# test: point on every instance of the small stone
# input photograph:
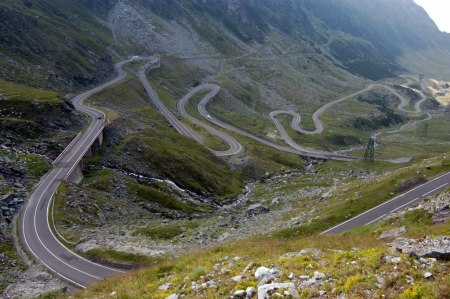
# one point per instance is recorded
(319, 275)
(291, 276)
(173, 296)
(322, 293)
(304, 277)
(113, 293)
(237, 278)
(427, 275)
(164, 287)
(396, 260)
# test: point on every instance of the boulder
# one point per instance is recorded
(257, 209)
(393, 233)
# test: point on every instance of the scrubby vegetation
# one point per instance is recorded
(356, 263)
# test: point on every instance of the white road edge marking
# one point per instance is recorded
(435, 189)
(375, 220)
(68, 147)
(368, 211)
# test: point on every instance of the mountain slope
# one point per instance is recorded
(53, 45)
(70, 43)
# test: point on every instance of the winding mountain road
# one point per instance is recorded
(234, 146)
(293, 146)
(37, 234)
(36, 230)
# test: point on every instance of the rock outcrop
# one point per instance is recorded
(438, 248)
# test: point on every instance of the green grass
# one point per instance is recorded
(353, 269)
(184, 161)
(358, 196)
(119, 256)
(50, 295)
(62, 218)
(100, 180)
(418, 216)
(164, 232)
(152, 195)
(16, 92)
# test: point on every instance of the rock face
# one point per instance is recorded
(438, 248)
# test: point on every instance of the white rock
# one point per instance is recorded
(319, 275)
(291, 276)
(173, 296)
(264, 289)
(250, 291)
(114, 293)
(304, 277)
(322, 293)
(427, 275)
(396, 260)
(237, 278)
(164, 287)
(261, 271)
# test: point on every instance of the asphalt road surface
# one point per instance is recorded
(37, 235)
(401, 202)
(234, 146)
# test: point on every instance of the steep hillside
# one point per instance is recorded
(50, 44)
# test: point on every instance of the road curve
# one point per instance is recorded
(403, 103)
(291, 149)
(234, 146)
(400, 202)
(37, 234)
(293, 146)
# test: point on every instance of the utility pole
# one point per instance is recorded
(424, 134)
(369, 156)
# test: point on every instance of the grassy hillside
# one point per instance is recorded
(355, 264)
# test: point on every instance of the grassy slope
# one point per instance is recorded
(165, 145)
(354, 270)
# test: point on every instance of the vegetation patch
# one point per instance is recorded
(164, 232)
(119, 256)
(152, 195)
